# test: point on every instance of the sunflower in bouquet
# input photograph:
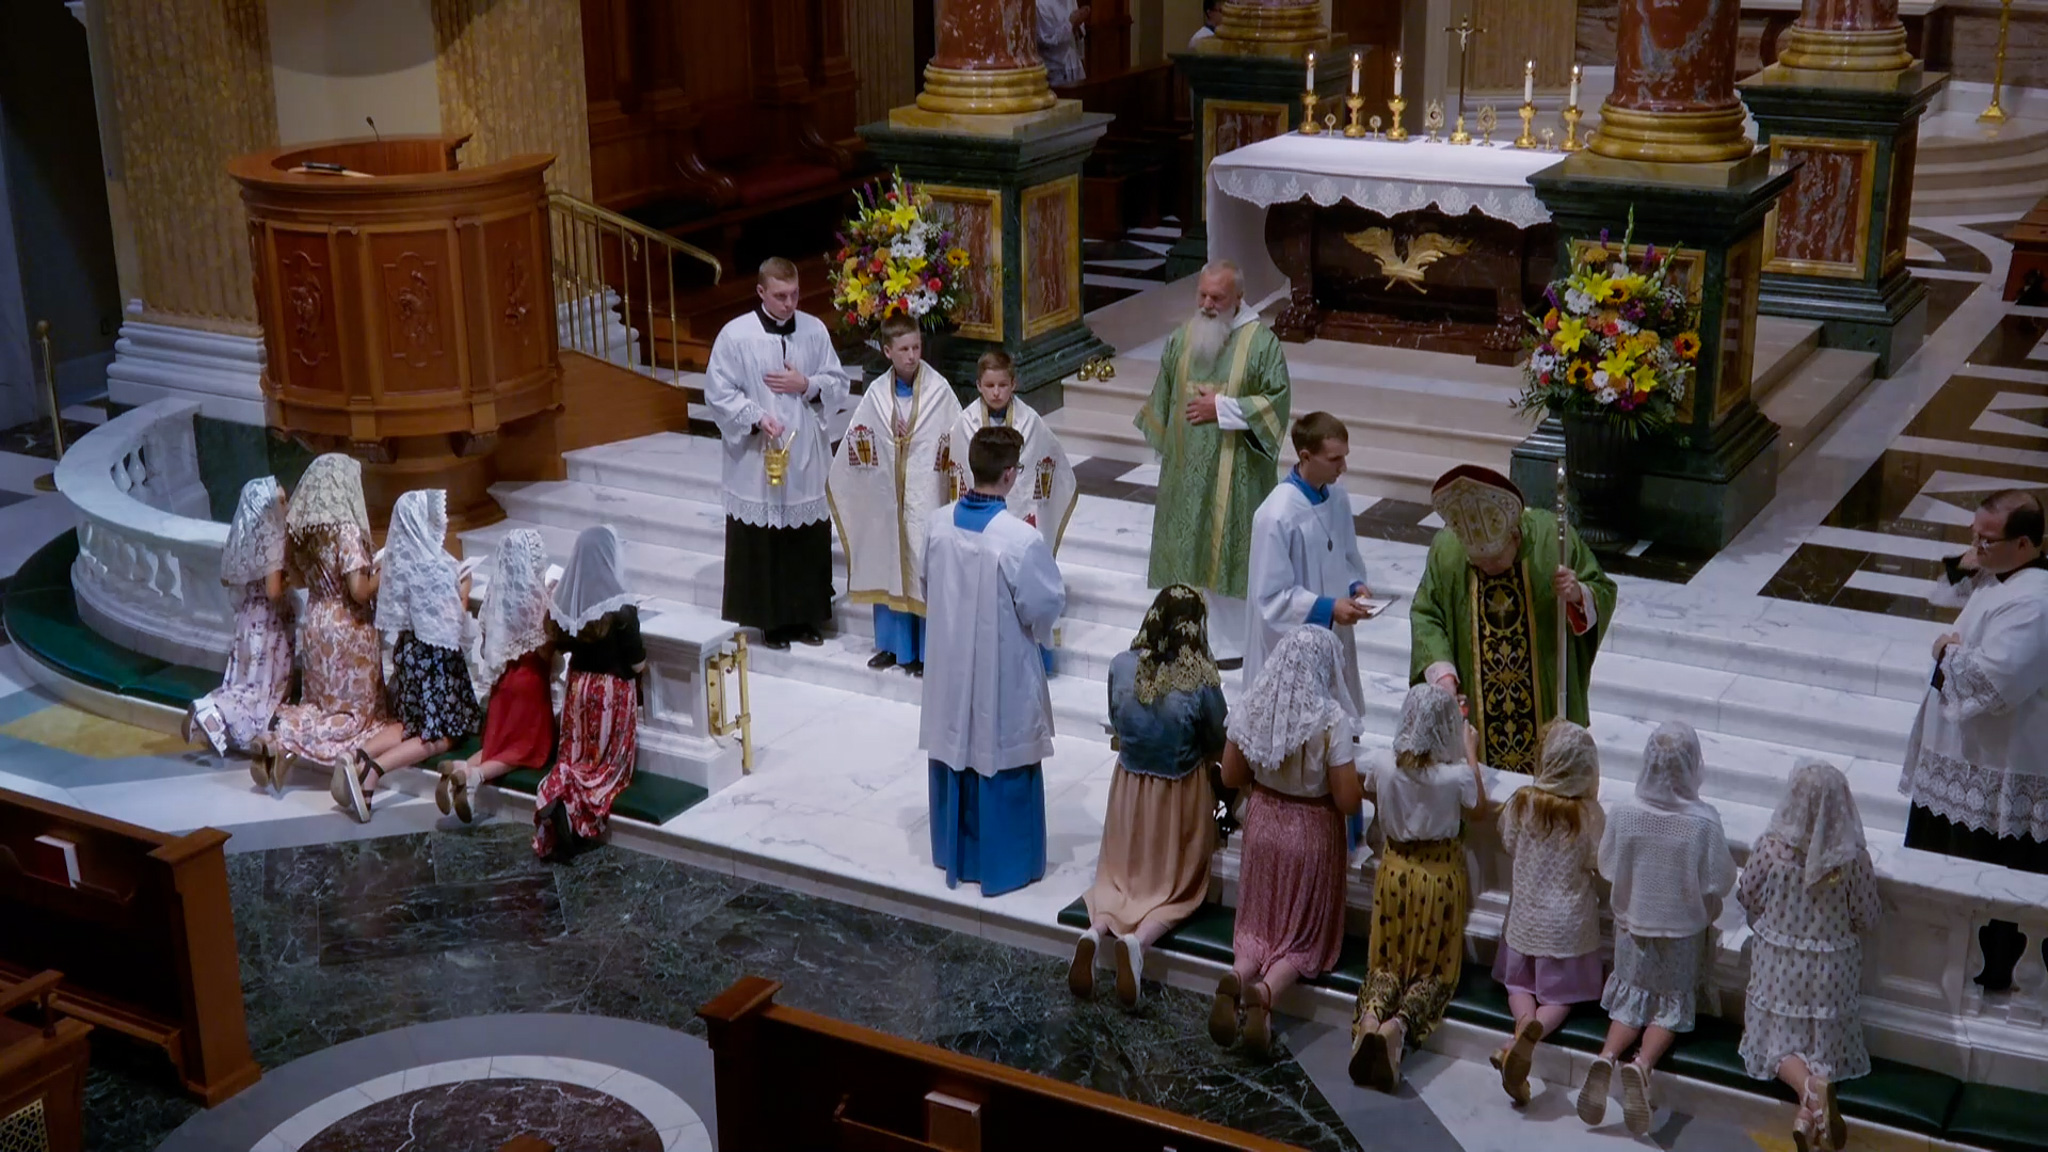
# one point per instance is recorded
(896, 258)
(1618, 339)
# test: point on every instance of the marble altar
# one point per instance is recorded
(1422, 245)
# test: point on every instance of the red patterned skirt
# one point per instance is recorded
(594, 763)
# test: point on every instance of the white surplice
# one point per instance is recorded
(1978, 755)
(884, 486)
(736, 390)
(1301, 553)
(1045, 492)
(994, 596)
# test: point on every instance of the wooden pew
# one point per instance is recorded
(145, 939)
(42, 1070)
(796, 1081)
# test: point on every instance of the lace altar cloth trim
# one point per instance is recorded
(1387, 178)
(2002, 803)
(1386, 197)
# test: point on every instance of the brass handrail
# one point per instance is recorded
(596, 251)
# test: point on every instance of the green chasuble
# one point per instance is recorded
(1501, 634)
(1212, 481)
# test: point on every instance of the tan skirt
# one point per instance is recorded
(1157, 837)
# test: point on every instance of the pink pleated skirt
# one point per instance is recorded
(1290, 903)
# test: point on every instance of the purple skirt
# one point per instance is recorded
(1550, 979)
(1290, 903)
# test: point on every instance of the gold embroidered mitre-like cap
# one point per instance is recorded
(1481, 506)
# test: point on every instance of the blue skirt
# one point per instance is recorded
(901, 633)
(989, 830)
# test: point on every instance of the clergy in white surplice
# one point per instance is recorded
(994, 594)
(772, 383)
(1305, 566)
(1977, 759)
(893, 468)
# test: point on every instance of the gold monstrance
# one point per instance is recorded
(1465, 30)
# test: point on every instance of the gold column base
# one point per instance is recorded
(1878, 50)
(985, 91)
(1671, 137)
(1249, 23)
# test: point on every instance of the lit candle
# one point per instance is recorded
(1573, 100)
(1310, 85)
(1397, 75)
(1529, 82)
(1356, 60)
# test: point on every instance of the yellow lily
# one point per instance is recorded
(1617, 364)
(1570, 332)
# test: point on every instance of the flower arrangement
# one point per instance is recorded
(1617, 341)
(895, 258)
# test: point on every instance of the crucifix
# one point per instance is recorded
(1465, 30)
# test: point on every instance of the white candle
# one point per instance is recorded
(1356, 60)
(1573, 100)
(1397, 75)
(1310, 85)
(1529, 82)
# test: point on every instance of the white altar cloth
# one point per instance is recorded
(1377, 174)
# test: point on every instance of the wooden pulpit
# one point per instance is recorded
(406, 311)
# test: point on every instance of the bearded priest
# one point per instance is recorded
(1217, 417)
(1484, 622)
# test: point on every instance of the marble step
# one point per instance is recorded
(1984, 199)
(1108, 538)
(1805, 405)
(1948, 137)
(1973, 169)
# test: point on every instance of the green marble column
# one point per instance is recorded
(1835, 244)
(1011, 188)
(1720, 465)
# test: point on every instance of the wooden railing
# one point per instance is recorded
(612, 278)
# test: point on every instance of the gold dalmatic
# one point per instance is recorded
(1506, 693)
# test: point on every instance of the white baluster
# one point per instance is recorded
(1973, 965)
(2030, 976)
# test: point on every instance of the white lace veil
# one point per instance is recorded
(330, 494)
(255, 545)
(419, 591)
(1299, 693)
(1818, 817)
(1672, 768)
(591, 586)
(1432, 728)
(1570, 763)
(515, 611)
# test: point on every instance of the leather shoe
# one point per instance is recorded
(809, 636)
(881, 660)
(915, 668)
(775, 641)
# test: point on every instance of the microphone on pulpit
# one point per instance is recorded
(372, 122)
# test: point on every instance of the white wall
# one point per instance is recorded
(335, 62)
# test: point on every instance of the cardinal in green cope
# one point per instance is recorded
(1217, 417)
(1484, 623)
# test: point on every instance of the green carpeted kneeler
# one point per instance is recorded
(41, 615)
(1894, 1094)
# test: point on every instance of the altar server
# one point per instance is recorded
(771, 384)
(1975, 765)
(1216, 416)
(893, 468)
(259, 672)
(1492, 551)
(1045, 492)
(1305, 566)
(987, 717)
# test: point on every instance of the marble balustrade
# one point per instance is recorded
(148, 570)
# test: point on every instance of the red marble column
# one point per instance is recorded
(985, 60)
(1846, 36)
(1674, 84)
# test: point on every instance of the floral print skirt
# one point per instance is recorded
(431, 691)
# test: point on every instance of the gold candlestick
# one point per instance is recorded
(1458, 134)
(1994, 113)
(1356, 104)
(1309, 127)
(1396, 106)
(1571, 129)
(1528, 137)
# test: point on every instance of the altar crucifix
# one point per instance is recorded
(1464, 29)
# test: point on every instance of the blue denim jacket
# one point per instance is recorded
(1172, 735)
